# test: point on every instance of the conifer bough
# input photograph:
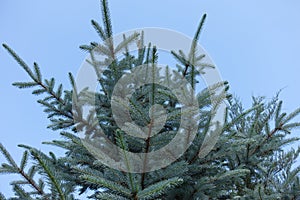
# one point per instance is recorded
(247, 162)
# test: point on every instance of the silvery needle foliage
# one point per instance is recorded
(248, 161)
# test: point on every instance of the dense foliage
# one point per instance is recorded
(247, 162)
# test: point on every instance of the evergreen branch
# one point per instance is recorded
(126, 42)
(87, 171)
(192, 54)
(196, 154)
(50, 84)
(31, 172)
(37, 78)
(200, 57)
(103, 50)
(21, 193)
(141, 50)
(123, 145)
(22, 85)
(72, 137)
(95, 65)
(239, 118)
(200, 27)
(106, 19)
(181, 60)
(259, 124)
(107, 184)
(232, 173)
(159, 188)
(147, 61)
(277, 112)
(291, 116)
(59, 91)
(20, 61)
(105, 196)
(135, 108)
(49, 173)
(28, 178)
(8, 169)
(53, 94)
(24, 160)
(87, 48)
(126, 49)
(57, 111)
(269, 135)
(37, 71)
(61, 144)
(145, 162)
(108, 28)
(99, 30)
(19, 182)
(39, 91)
(290, 126)
(15, 169)
(72, 81)
(8, 156)
(291, 176)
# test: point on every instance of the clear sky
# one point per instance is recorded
(255, 44)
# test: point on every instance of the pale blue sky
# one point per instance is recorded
(255, 44)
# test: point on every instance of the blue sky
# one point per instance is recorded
(255, 44)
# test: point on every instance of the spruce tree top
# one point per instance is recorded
(242, 158)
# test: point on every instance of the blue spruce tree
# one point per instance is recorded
(247, 161)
